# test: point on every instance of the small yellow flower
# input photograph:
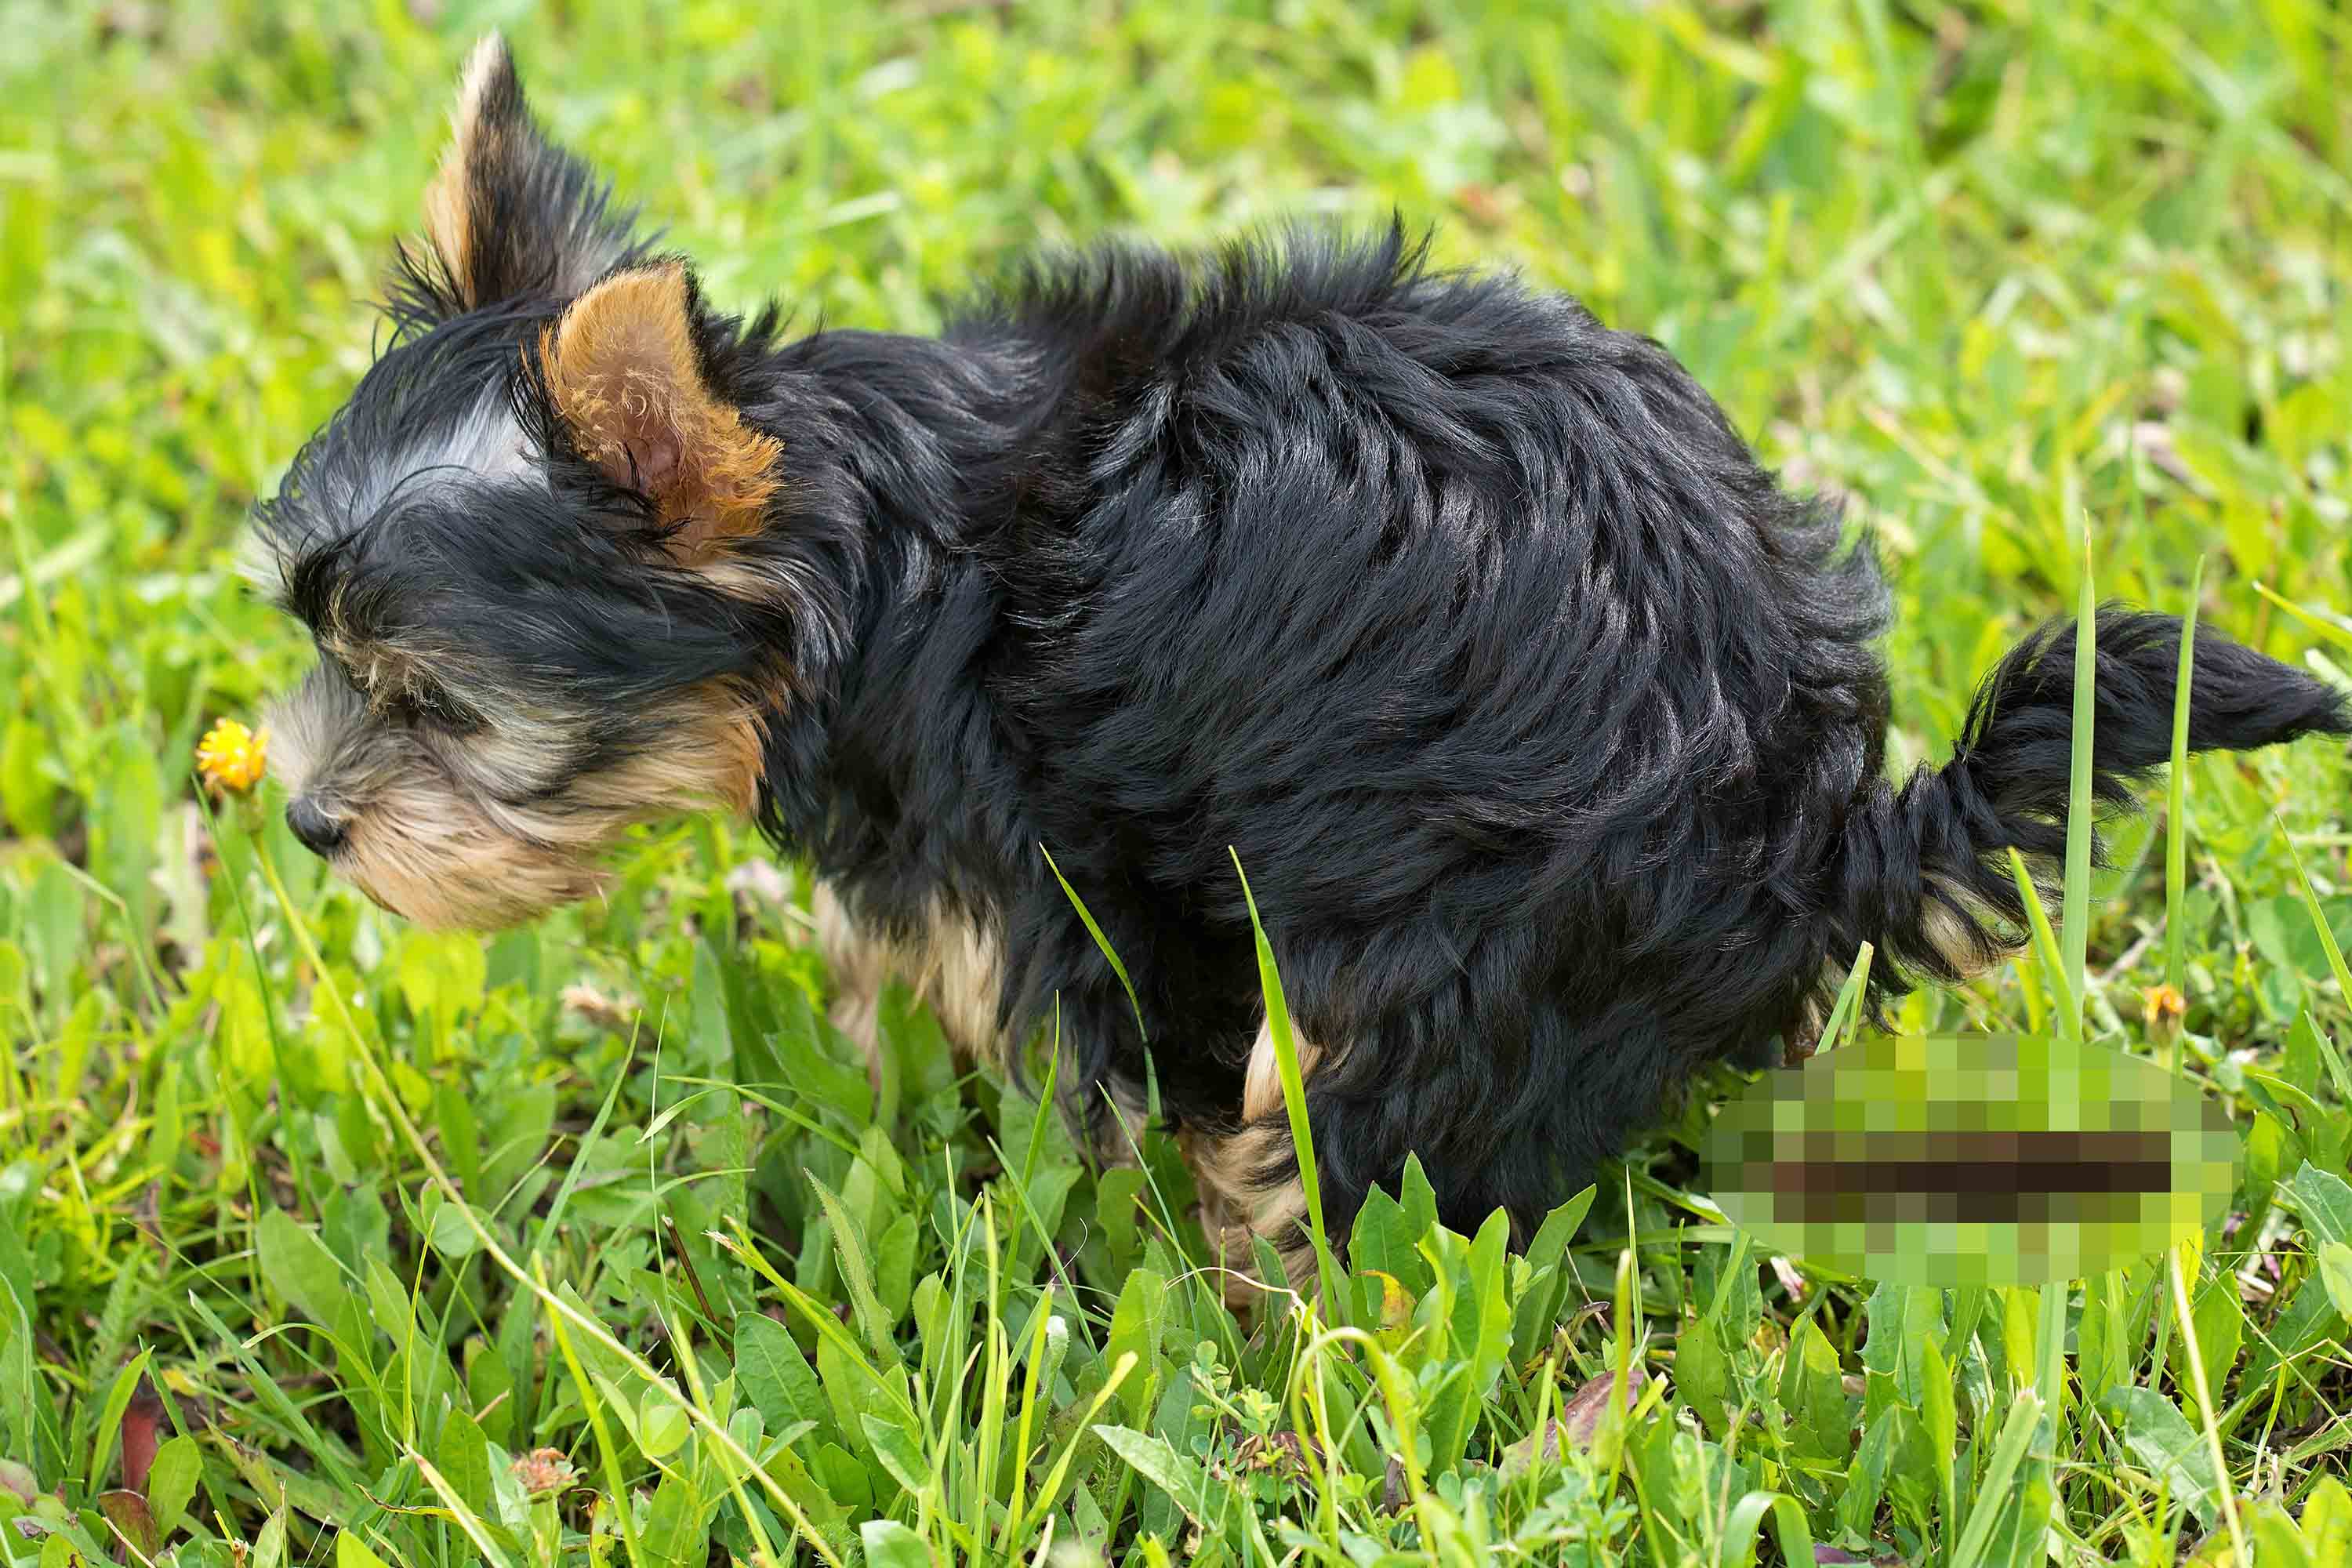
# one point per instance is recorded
(232, 757)
(2162, 1006)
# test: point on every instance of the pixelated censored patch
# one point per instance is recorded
(1952, 1160)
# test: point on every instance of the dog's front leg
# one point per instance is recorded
(860, 966)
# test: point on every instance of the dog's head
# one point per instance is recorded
(533, 548)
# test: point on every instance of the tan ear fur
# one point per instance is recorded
(622, 370)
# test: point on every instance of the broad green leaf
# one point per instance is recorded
(1384, 1242)
(709, 1034)
(852, 1386)
(1136, 1325)
(2277, 1542)
(172, 1482)
(1119, 1193)
(859, 1275)
(110, 1420)
(515, 1129)
(1703, 1374)
(270, 1546)
(1865, 1483)
(299, 1268)
(2335, 1270)
(898, 1453)
(889, 1544)
(443, 974)
(676, 1528)
(894, 1266)
(129, 1513)
(1150, 1458)
(1939, 1413)
(2161, 1438)
(775, 1376)
(1812, 1388)
(2322, 1199)
(461, 1135)
(1746, 1524)
(2108, 1353)
(24, 790)
(662, 1423)
(2327, 1523)
(350, 1552)
(464, 1455)
(1479, 1332)
(2000, 1494)
(2219, 1320)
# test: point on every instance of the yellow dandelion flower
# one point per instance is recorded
(232, 757)
(2162, 1006)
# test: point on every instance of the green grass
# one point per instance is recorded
(349, 1220)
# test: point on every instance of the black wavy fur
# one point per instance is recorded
(1547, 726)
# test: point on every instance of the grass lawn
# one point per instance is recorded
(324, 1240)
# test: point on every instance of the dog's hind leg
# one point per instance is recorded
(1508, 1106)
(1247, 1179)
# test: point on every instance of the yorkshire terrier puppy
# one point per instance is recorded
(1546, 727)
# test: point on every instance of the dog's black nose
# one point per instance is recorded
(320, 833)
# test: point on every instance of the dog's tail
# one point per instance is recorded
(1924, 872)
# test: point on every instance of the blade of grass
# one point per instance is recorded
(2045, 947)
(2176, 826)
(819, 1317)
(279, 1405)
(1049, 1491)
(2051, 1383)
(2328, 627)
(466, 1520)
(592, 1408)
(699, 1394)
(1848, 1006)
(1294, 1090)
(2075, 918)
(2175, 816)
(2205, 1402)
(2009, 1451)
(1398, 1396)
(998, 1351)
(1016, 1510)
(110, 1420)
(1101, 941)
(858, 1273)
(262, 992)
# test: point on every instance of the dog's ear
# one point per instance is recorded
(510, 213)
(624, 371)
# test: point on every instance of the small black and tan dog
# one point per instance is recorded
(1546, 726)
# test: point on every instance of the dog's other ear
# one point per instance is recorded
(510, 213)
(624, 373)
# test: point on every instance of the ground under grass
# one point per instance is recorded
(319, 1237)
